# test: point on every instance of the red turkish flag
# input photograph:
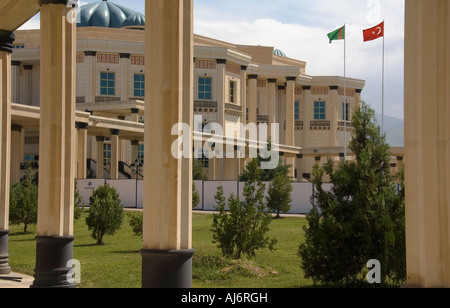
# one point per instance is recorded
(374, 33)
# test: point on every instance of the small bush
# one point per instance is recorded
(105, 213)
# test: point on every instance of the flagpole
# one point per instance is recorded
(382, 92)
(345, 96)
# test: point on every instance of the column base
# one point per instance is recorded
(4, 256)
(52, 256)
(167, 268)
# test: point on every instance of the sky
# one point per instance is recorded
(299, 28)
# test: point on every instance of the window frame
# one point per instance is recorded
(139, 91)
(320, 110)
(204, 94)
(108, 86)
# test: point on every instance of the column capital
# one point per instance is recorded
(272, 80)
(134, 142)
(100, 138)
(281, 88)
(16, 128)
(28, 67)
(221, 61)
(114, 132)
(291, 78)
(334, 87)
(306, 88)
(90, 53)
(243, 67)
(15, 63)
(125, 55)
(134, 110)
(358, 91)
(42, 2)
(6, 41)
(252, 76)
(82, 125)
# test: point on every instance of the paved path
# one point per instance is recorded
(15, 281)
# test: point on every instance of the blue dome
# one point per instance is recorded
(278, 52)
(108, 15)
(135, 21)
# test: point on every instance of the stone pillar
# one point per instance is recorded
(91, 63)
(134, 151)
(290, 121)
(27, 94)
(221, 63)
(358, 98)
(427, 142)
(100, 160)
(15, 82)
(6, 41)
(82, 150)
(17, 147)
(244, 94)
(166, 253)
(115, 154)
(125, 76)
(272, 104)
(252, 97)
(54, 247)
(282, 113)
(333, 103)
(135, 115)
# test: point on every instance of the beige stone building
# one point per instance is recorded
(232, 84)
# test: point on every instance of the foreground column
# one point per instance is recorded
(427, 142)
(167, 245)
(57, 148)
(6, 40)
(290, 122)
(82, 150)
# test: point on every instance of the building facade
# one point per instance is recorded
(233, 84)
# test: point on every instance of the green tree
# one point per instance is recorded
(24, 201)
(105, 213)
(78, 203)
(243, 229)
(195, 196)
(136, 223)
(361, 218)
(279, 197)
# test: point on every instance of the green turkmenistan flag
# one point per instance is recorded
(338, 34)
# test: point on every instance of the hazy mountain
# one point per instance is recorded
(394, 128)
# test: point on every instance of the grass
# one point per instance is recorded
(117, 263)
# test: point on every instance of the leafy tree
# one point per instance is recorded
(195, 196)
(279, 197)
(78, 203)
(136, 223)
(361, 218)
(243, 229)
(24, 201)
(105, 213)
(198, 174)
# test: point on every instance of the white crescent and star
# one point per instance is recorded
(379, 31)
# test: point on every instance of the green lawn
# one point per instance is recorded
(117, 263)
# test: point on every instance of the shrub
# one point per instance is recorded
(361, 218)
(105, 213)
(23, 201)
(279, 197)
(243, 230)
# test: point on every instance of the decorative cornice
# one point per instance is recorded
(6, 41)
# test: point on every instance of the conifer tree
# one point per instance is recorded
(362, 218)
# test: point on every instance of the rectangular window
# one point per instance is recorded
(141, 153)
(232, 92)
(319, 111)
(297, 111)
(204, 88)
(345, 114)
(106, 154)
(107, 83)
(139, 85)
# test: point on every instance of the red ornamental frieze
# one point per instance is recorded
(205, 64)
(108, 58)
(137, 60)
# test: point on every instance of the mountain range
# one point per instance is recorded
(394, 128)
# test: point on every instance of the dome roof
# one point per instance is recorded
(135, 21)
(109, 15)
(278, 52)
